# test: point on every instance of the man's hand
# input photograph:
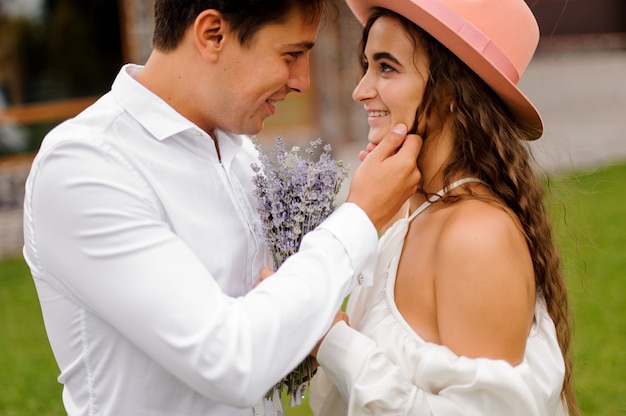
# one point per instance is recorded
(387, 177)
(264, 274)
(363, 153)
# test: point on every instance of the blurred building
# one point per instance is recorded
(580, 24)
(579, 17)
(56, 57)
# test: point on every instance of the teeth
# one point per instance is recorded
(377, 113)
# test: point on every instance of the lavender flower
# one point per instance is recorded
(295, 195)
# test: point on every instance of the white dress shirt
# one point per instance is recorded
(144, 247)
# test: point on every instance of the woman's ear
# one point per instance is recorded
(209, 31)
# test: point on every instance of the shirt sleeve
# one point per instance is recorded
(440, 383)
(95, 231)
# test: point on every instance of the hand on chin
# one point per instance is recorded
(363, 153)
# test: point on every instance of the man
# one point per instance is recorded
(142, 236)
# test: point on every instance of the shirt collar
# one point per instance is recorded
(230, 144)
(154, 114)
(160, 119)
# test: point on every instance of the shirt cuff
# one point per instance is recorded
(343, 354)
(353, 228)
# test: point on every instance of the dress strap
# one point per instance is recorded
(440, 194)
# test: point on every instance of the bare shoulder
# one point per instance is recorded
(484, 281)
(479, 225)
(486, 237)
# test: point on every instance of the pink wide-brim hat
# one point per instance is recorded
(495, 38)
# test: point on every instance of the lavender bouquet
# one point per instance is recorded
(295, 195)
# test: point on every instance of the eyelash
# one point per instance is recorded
(384, 68)
(295, 55)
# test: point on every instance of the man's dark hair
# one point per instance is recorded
(246, 17)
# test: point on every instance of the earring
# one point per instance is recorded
(452, 107)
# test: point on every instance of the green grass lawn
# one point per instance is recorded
(593, 245)
(28, 385)
(591, 232)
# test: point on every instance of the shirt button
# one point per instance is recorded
(359, 278)
(199, 134)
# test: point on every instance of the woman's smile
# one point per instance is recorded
(377, 116)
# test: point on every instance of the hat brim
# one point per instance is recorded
(469, 44)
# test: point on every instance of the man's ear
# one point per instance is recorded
(209, 31)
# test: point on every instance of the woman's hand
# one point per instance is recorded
(339, 316)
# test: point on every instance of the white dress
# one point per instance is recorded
(380, 366)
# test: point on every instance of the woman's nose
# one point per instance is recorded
(364, 90)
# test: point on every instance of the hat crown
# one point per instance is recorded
(509, 24)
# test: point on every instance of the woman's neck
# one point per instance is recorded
(432, 160)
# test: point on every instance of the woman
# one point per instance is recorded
(468, 314)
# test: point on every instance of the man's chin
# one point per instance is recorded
(251, 130)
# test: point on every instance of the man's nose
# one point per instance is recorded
(299, 76)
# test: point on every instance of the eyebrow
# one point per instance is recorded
(301, 45)
(386, 55)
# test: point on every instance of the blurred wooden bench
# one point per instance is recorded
(44, 112)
